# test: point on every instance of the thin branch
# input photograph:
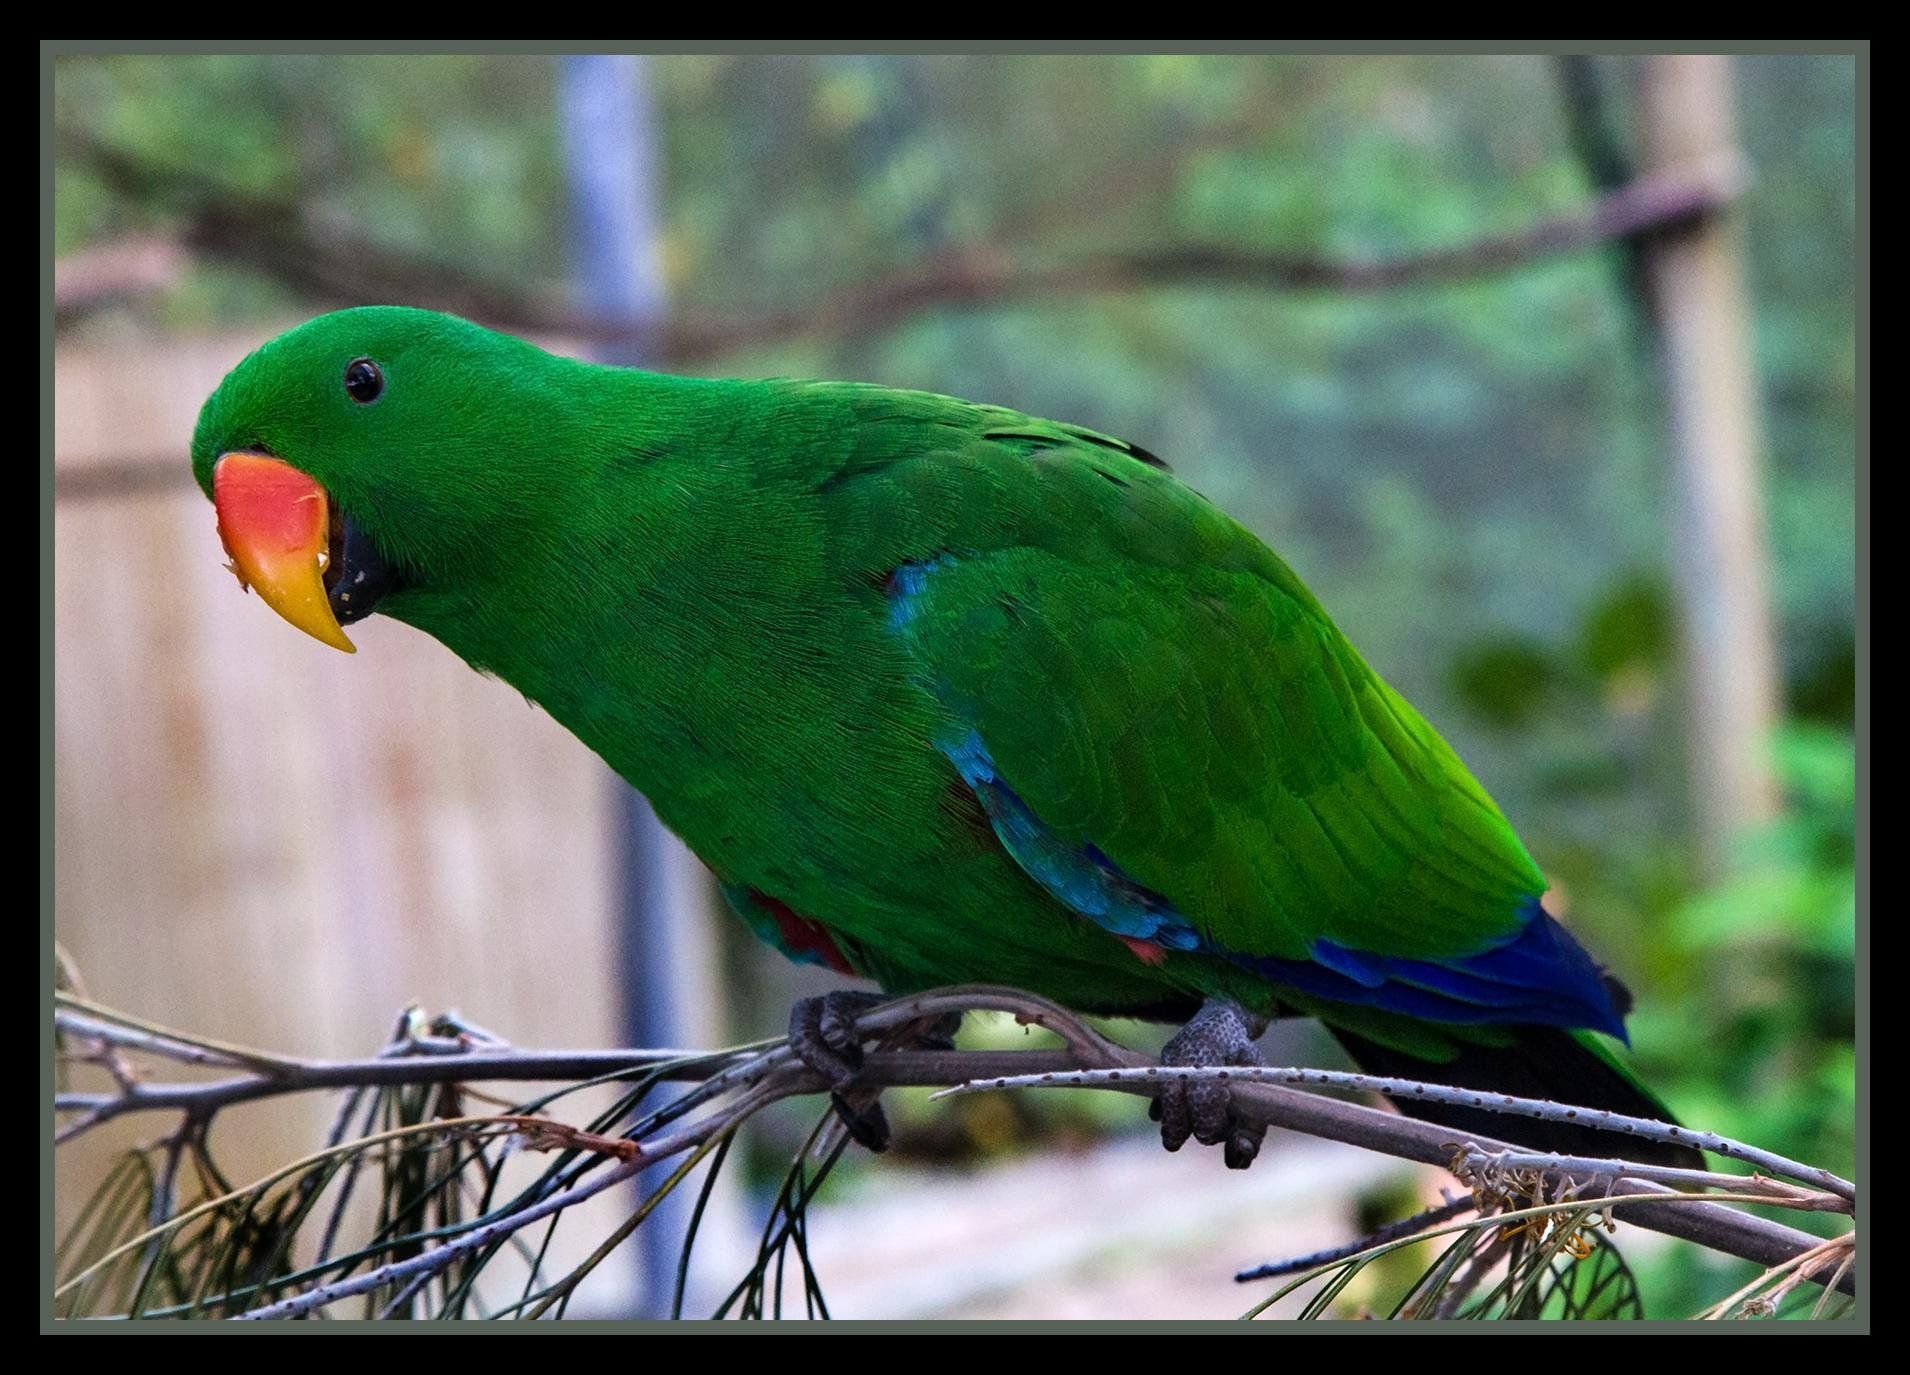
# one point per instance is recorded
(1607, 1169)
(1787, 1274)
(765, 1073)
(430, 1262)
(1717, 1228)
(886, 1069)
(1542, 1109)
(435, 1259)
(1392, 1231)
(1835, 1285)
(724, 1070)
(121, 1028)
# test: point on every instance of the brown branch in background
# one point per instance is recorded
(340, 267)
(277, 238)
(977, 277)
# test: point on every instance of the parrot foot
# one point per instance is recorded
(1221, 1033)
(822, 1033)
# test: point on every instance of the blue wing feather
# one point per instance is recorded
(1540, 975)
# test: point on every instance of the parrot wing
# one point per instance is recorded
(1171, 736)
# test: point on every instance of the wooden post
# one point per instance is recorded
(1699, 293)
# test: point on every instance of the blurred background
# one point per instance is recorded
(1541, 371)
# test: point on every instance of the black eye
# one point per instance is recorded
(364, 382)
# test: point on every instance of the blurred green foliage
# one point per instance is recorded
(1472, 477)
(1748, 984)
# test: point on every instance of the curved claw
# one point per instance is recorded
(822, 1033)
(866, 1123)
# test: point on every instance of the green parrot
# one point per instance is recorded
(941, 692)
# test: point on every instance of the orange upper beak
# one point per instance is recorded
(276, 524)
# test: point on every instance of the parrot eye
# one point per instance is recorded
(364, 381)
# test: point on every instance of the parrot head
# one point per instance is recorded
(372, 453)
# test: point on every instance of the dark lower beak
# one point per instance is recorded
(358, 575)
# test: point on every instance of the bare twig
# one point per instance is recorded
(1465, 1284)
(432, 1261)
(71, 1011)
(1415, 1090)
(1587, 1168)
(724, 1070)
(1762, 1295)
(1392, 1231)
(749, 1077)
(465, 1126)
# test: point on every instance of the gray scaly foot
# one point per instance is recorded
(1221, 1033)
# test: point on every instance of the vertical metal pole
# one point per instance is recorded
(610, 151)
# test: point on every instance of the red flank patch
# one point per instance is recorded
(801, 936)
(1146, 952)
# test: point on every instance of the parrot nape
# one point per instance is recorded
(941, 692)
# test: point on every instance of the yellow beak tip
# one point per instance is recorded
(275, 523)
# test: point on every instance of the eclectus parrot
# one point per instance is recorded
(943, 693)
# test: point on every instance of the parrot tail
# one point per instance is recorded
(1543, 1062)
